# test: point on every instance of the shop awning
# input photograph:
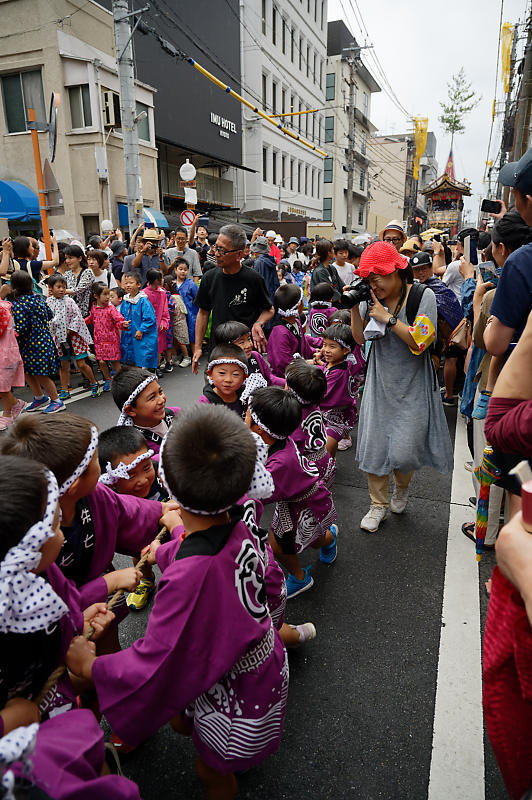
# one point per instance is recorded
(17, 202)
(152, 215)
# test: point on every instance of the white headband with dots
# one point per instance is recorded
(112, 476)
(291, 312)
(257, 421)
(124, 418)
(236, 361)
(83, 464)
(27, 602)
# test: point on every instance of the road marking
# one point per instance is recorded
(457, 764)
(77, 394)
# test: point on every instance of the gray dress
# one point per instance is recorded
(402, 424)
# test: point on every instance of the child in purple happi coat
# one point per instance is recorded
(142, 403)
(211, 661)
(227, 372)
(234, 332)
(41, 609)
(96, 522)
(308, 384)
(287, 337)
(127, 468)
(305, 512)
(344, 369)
(321, 308)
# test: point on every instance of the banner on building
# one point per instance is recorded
(507, 35)
(420, 141)
(449, 169)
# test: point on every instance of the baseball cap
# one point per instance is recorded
(260, 245)
(421, 260)
(380, 258)
(518, 173)
(117, 247)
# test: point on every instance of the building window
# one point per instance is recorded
(80, 106)
(329, 129)
(330, 86)
(143, 125)
(283, 170)
(308, 60)
(263, 18)
(274, 25)
(300, 52)
(314, 73)
(321, 17)
(320, 125)
(365, 103)
(300, 117)
(312, 180)
(327, 170)
(319, 181)
(274, 97)
(315, 10)
(283, 102)
(274, 168)
(361, 210)
(364, 143)
(305, 120)
(283, 35)
(306, 180)
(265, 164)
(292, 174)
(321, 73)
(362, 182)
(292, 44)
(313, 127)
(22, 91)
(264, 92)
(299, 178)
(327, 209)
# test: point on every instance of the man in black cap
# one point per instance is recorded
(513, 298)
(119, 250)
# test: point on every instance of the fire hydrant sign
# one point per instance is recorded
(187, 218)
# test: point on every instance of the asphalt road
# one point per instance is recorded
(361, 706)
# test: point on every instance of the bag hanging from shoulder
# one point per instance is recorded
(461, 336)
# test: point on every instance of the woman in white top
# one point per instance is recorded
(98, 261)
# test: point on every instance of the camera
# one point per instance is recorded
(358, 292)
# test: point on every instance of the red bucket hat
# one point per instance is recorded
(381, 258)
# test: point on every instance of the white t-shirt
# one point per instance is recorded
(453, 278)
(346, 272)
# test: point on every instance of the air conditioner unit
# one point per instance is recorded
(108, 109)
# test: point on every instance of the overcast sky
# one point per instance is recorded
(420, 47)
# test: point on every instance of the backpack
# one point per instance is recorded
(444, 331)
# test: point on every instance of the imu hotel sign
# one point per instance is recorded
(226, 126)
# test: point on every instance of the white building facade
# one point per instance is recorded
(283, 59)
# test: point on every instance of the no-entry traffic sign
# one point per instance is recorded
(187, 217)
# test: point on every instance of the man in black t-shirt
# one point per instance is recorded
(231, 292)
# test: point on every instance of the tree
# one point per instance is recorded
(462, 99)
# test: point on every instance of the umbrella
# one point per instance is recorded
(486, 474)
(429, 233)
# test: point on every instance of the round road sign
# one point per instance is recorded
(187, 217)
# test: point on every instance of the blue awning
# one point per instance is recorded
(150, 215)
(17, 202)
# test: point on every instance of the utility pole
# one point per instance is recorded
(523, 113)
(125, 62)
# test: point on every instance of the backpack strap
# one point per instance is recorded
(413, 300)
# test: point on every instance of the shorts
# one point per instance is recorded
(67, 353)
(453, 351)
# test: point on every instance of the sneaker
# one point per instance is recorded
(5, 422)
(95, 390)
(137, 600)
(54, 406)
(186, 362)
(373, 518)
(38, 403)
(106, 386)
(306, 631)
(64, 395)
(398, 500)
(294, 586)
(18, 408)
(329, 552)
(448, 401)
(468, 465)
(481, 409)
(345, 444)
(168, 367)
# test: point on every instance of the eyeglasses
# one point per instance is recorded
(223, 251)
(392, 241)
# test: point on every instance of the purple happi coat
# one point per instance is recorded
(153, 439)
(210, 396)
(287, 339)
(318, 317)
(257, 363)
(110, 523)
(311, 438)
(339, 405)
(305, 508)
(210, 645)
(26, 660)
(69, 757)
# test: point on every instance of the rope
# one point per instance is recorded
(89, 633)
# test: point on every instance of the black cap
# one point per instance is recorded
(518, 173)
(421, 260)
(472, 232)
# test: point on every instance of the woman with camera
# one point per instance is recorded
(402, 426)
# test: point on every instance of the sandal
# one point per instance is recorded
(468, 529)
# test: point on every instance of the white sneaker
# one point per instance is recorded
(398, 500)
(373, 518)
(345, 444)
(186, 362)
